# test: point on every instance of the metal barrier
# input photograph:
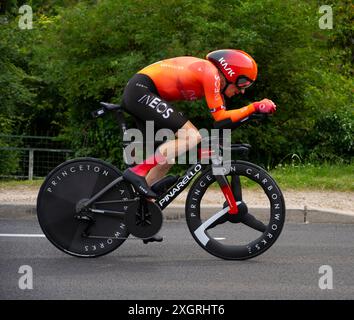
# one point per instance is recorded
(30, 157)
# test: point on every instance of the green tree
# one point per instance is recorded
(81, 52)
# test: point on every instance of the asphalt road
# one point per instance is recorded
(179, 269)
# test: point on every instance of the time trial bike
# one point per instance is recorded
(86, 208)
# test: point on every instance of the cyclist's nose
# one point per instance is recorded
(238, 91)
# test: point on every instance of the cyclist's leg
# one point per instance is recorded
(157, 173)
(187, 137)
(186, 140)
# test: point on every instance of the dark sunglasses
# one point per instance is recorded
(243, 82)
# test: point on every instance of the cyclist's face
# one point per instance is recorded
(231, 90)
(238, 91)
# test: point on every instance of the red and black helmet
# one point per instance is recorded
(237, 66)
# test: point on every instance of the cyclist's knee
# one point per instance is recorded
(193, 138)
(189, 133)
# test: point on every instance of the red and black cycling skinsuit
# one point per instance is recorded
(148, 93)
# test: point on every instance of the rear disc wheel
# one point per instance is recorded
(64, 188)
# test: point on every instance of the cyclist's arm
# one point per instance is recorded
(216, 102)
(235, 115)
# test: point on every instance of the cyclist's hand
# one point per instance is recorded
(265, 106)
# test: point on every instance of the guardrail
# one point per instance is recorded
(30, 157)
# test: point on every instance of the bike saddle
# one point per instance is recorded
(139, 183)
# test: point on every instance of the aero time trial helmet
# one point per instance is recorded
(237, 66)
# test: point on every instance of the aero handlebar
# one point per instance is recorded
(228, 124)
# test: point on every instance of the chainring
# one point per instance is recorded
(146, 221)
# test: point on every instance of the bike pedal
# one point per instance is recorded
(164, 184)
(155, 238)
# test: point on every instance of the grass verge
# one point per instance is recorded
(324, 177)
(20, 183)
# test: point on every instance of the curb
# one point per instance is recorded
(176, 213)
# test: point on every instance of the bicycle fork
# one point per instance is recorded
(227, 191)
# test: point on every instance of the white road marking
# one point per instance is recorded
(22, 235)
(219, 238)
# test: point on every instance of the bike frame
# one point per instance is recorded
(165, 199)
(172, 193)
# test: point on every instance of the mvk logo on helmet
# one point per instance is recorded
(157, 104)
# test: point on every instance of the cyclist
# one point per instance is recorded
(148, 94)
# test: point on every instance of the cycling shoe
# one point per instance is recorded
(139, 183)
(155, 238)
